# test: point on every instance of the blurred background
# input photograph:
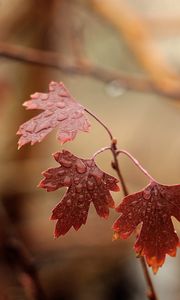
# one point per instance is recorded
(120, 59)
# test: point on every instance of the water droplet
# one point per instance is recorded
(67, 181)
(134, 202)
(97, 174)
(49, 113)
(80, 166)
(115, 89)
(77, 180)
(61, 172)
(61, 104)
(77, 114)
(65, 163)
(61, 117)
(68, 202)
(84, 212)
(81, 198)
(79, 187)
(80, 205)
(130, 216)
(90, 185)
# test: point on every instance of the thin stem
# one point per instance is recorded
(151, 294)
(115, 166)
(137, 163)
(100, 122)
(100, 151)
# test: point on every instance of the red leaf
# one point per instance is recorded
(60, 109)
(152, 207)
(86, 183)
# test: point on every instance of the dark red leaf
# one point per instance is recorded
(152, 207)
(86, 183)
(60, 109)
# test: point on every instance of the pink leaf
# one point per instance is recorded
(60, 110)
(152, 207)
(86, 183)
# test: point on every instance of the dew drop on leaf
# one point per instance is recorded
(61, 172)
(79, 187)
(67, 181)
(77, 180)
(90, 185)
(80, 166)
(61, 117)
(65, 163)
(61, 104)
(69, 202)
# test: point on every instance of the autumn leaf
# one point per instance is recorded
(60, 110)
(152, 207)
(86, 183)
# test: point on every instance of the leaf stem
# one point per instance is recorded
(151, 294)
(100, 122)
(100, 151)
(137, 163)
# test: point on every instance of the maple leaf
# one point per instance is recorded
(86, 183)
(60, 109)
(152, 207)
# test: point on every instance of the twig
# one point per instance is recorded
(100, 122)
(57, 61)
(136, 162)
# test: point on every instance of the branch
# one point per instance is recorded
(57, 61)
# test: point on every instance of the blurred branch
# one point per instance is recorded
(55, 60)
(164, 26)
(77, 41)
(137, 35)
